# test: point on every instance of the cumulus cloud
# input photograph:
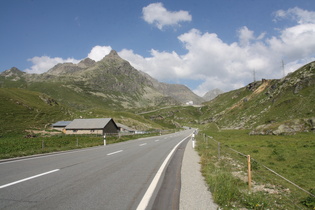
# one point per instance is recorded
(211, 60)
(44, 63)
(98, 52)
(229, 66)
(296, 14)
(158, 15)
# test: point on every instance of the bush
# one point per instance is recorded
(310, 200)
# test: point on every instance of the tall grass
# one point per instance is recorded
(17, 145)
(292, 157)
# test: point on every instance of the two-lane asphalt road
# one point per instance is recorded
(116, 176)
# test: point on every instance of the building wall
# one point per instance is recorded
(111, 128)
(58, 128)
(96, 132)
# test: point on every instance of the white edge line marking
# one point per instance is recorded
(142, 144)
(26, 179)
(115, 152)
(148, 194)
(157, 140)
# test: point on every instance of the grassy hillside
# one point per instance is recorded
(176, 116)
(23, 109)
(272, 103)
(265, 102)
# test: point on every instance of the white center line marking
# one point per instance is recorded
(32, 177)
(142, 144)
(115, 152)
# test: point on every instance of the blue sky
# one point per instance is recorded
(202, 44)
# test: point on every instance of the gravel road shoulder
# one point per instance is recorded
(194, 193)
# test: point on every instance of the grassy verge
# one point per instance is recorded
(17, 145)
(225, 169)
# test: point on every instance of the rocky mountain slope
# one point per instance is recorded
(273, 106)
(111, 82)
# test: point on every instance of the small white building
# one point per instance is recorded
(189, 103)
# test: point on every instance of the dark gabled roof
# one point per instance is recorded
(96, 123)
(61, 123)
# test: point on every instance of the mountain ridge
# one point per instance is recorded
(267, 105)
(111, 78)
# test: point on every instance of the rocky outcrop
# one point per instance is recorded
(287, 128)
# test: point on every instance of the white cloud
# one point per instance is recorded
(299, 15)
(229, 66)
(158, 15)
(218, 64)
(44, 63)
(99, 52)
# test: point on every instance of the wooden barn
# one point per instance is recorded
(98, 126)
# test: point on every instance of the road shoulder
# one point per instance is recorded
(194, 191)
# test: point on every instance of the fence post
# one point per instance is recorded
(218, 150)
(249, 172)
(206, 142)
(43, 144)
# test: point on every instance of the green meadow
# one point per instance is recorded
(17, 146)
(273, 159)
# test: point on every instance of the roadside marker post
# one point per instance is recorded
(104, 139)
(193, 139)
(249, 173)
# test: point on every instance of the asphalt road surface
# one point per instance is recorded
(117, 176)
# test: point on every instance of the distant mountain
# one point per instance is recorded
(212, 94)
(70, 68)
(13, 74)
(110, 82)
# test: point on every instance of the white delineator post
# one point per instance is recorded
(104, 139)
(193, 139)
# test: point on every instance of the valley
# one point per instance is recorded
(271, 118)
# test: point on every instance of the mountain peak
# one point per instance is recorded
(113, 53)
(12, 71)
(113, 57)
(14, 74)
(87, 62)
(212, 94)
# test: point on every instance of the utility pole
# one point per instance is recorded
(254, 75)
